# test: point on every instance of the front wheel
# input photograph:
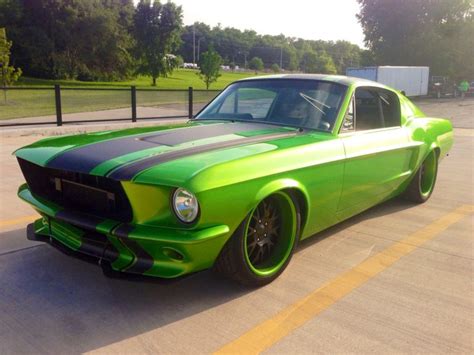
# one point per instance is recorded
(262, 246)
(422, 185)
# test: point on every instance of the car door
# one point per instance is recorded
(377, 150)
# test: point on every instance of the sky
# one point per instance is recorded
(308, 19)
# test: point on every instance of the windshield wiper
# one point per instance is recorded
(264, 122)
(312, 102)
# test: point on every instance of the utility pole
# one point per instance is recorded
(194, 43)
(281, 57)
(199, 48)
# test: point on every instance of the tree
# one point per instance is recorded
(432, 33)
(86, 39)
(344, 54)
(8, 74)
(210, 66)
(309, 62)
(256, 64)
(157, 29)
(275, 68)
(317, 62)
(325, 63)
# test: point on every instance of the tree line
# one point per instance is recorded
(115, 40)
(238, 48)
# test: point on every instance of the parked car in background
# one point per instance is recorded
(190, 66)
(270, 161)
(442, 86)
(470, 91)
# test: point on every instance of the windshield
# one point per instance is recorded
(309, 104)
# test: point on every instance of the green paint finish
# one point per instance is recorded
(41, 205)
(106, 226)
(64, 233)
(148, 202)
(68, 235)
(336, 175)
(198, 248)
(46, 149)
(126, 257)
(110, 165)
(41, 226)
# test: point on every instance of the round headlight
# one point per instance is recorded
(185, 205)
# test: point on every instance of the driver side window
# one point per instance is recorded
(372, 108)
(368, 110)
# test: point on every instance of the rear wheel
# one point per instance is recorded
(263, 244)
(422, 185)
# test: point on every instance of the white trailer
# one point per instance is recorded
(412, 80)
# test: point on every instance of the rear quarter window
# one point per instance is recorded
(376, 108)
(390, 108)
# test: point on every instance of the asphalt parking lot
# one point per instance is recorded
(397, 278)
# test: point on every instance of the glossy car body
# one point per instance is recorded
(230, 166)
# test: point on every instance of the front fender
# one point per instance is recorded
(277, 185)
(285, 184)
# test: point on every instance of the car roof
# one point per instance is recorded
(340, 79)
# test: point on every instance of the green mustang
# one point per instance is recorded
(268, 162)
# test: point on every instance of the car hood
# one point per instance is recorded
(126, 155)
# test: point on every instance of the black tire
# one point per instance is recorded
(422, 185)
(234, 262)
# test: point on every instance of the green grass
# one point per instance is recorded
(32, 103)
(180, 79)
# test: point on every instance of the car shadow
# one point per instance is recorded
(386, 208)
(50, 298)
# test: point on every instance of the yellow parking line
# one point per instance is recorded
(26, 219)
(283, 323)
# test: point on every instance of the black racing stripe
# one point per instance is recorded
(97, 245)
(128, 171)
(78, 219)
(122, 231)
(186, 135)
(143, 261)
(84, 159)
(111, 254)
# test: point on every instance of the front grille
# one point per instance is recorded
(95, 195)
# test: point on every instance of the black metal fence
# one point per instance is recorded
(23, 105)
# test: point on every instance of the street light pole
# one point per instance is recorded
(194, 43)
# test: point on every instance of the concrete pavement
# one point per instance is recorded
(420, 302)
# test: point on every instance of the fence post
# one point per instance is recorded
(190, 102)
(57, 95)
(134, 103)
